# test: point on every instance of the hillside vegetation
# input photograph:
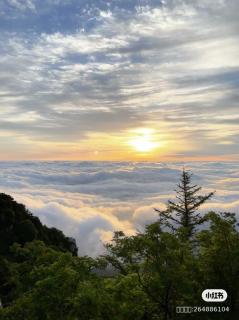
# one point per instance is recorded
(166, 266)
(18, 225)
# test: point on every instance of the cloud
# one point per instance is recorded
(117, 66)
(76, 74)
(22, 5)
(90, 200)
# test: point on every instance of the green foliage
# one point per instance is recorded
(47, 281)
(170, 272)
(153, 257)
(7, 281)
(218, 258)
(25, 231)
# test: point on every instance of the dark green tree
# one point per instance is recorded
(183, 213)
(154, 260)
(218, 258)
(17, 224)
(25, 231)
(47, 284)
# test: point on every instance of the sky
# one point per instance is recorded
(90, 200)
(146, 80)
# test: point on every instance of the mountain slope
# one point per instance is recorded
(17, 224)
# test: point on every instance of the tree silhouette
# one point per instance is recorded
(182, 214)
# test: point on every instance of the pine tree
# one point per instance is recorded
(183, 214)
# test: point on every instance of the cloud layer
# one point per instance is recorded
(89, 200)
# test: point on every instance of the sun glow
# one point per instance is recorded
(143, 140)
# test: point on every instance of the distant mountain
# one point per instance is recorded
(17, 224)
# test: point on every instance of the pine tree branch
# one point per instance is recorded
(167, 215)
(201, 200)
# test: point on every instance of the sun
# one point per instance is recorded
(143, 140)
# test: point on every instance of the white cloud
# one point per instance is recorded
(172, 67)
(160, 62)
(22, 4)
(92, 199)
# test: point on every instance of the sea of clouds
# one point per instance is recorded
(89, 200)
